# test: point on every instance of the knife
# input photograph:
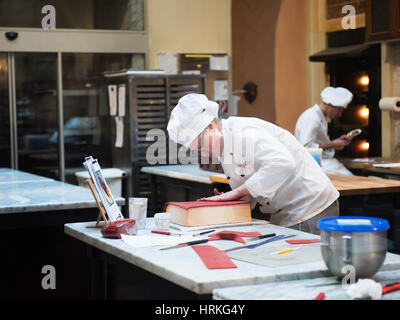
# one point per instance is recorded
(186, 244)
(202, 233)
(251, 246)
(322, 284)
(263, 237)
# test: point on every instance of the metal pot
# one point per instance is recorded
(362, 247)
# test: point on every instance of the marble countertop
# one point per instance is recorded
(306, 289)
(183, 267)
(26, 192)
(188, 172)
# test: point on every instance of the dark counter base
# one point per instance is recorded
(115, 279)
(29, 241)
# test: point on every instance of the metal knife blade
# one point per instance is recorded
(262, 237)
(186, 244)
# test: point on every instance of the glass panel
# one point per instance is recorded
(75, 14)
(87, 125)
(5, 149)
(36, 95)
(380, 16)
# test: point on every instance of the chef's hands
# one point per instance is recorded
(341, 142)
(337, 144)
(235, 194)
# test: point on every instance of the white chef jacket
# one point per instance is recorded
(280, 174)
(312, 131)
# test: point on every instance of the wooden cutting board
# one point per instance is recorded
(358, 185)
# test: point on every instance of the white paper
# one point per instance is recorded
(387, 165)
(119, 132)
(361, 160)
(168, 62)
(112, 99)
(121, 100)
(219, 63)
(140, 241)
(102, 190)
(220, 90)
(216, 226)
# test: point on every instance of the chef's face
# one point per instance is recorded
(334, 112)
(208, 143)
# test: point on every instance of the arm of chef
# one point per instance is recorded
(277, 167)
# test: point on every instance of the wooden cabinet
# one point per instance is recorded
(382, 20)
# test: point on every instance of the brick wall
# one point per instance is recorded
(334, 7)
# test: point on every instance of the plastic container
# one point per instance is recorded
(162, 220)
(138, 211)
(113, 178)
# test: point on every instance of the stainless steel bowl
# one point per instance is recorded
(365, 251)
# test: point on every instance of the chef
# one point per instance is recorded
(263, 163)
(312, 128)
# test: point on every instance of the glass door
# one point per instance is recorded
(36, 113)
(5, 133)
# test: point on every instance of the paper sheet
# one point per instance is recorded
(363, 160)
(220, 90)
(387, 165)
(168, 62)
(119, 132)
(141, 241)
(121, 100)
(216, 226)
(112, 99)
(219, 63)
(102, 190)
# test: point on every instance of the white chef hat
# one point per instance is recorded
(337, 97)
(193, 113)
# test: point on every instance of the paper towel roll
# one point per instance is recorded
(390, 104)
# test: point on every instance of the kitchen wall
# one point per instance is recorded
(290, 63)
(269, 48)
(188, 26)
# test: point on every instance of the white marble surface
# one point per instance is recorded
(188, 172)
(183, 267)
(301, 290)
(25, 192)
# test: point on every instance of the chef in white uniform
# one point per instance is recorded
(312, 128)
(264, 163)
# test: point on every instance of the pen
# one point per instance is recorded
(185, 244)
(202, 233)
(284, 251)
(167, 233)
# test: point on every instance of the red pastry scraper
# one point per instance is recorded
(232, 235)
(214, 258)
